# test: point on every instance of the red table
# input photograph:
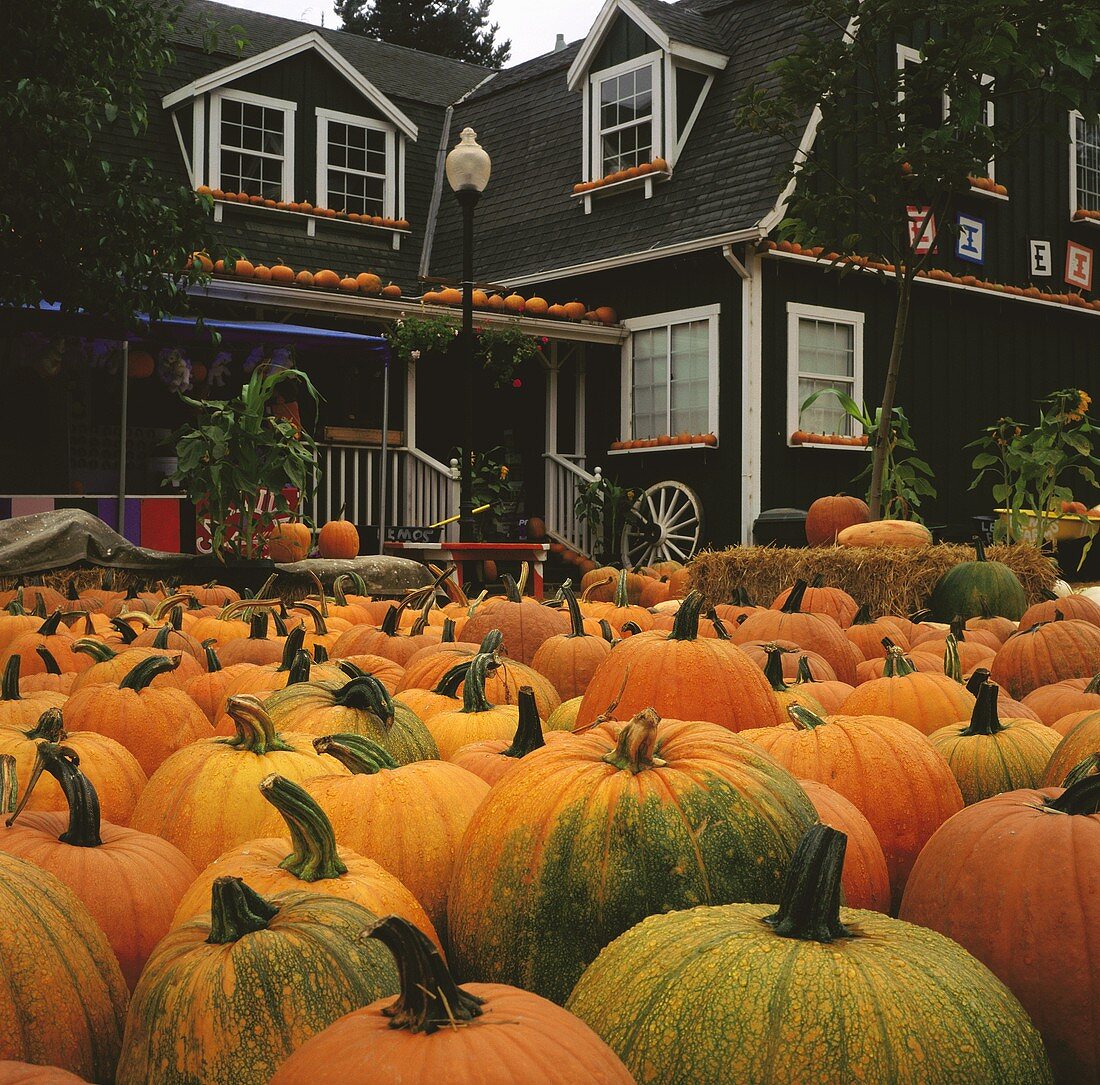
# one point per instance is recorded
(459, 552)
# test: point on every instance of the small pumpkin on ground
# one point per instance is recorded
(193, 1019)
(936, 1014)
(482, 1033)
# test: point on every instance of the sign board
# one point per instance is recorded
(1042, 261)
(970, 243)
(265, 503)
(922, 229)
(1078, 265)
(413, 536)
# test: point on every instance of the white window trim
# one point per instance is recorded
(658, 119)
(390, 198)
(710, 313)
(796, 312)
(1074, 203)
(289, 110)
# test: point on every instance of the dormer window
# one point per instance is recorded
(625, 133)
(355, 163)
(253, 150)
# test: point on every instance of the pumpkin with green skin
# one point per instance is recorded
(360, 706)
(812, 994)
(988, 755)
(586, 837)
(229, 995)
(1013, 880)
(314, 864)
(65, 998)
(973, 589)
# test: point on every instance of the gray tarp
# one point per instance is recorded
(48, 541)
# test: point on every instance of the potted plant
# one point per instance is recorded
(1031, 467)
(236, 458)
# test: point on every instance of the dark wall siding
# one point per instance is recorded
(970, 359)
(625, 41)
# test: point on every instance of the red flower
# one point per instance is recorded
(517, 383)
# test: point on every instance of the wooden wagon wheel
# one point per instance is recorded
(664, 524)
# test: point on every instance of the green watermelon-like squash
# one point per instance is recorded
(979, 588)
(585, 838)
(812, 994)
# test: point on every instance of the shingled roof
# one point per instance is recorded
(682, 24)
(726, 179)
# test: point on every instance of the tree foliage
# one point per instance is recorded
(448, 28)
(80, 224)
(917, 131)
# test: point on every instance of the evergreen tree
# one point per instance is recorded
(448, 28)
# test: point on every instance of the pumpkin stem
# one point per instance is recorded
(773, 668)
(366, 694)
(9, 783)
(255, 729)
(299, 669)
(389, 621)
(957, 628)
(257, 625)
(1090, 766)
(741, 598)
(360, 755)
(448, 634)
(291, 647)
(1082, 797)
(809, 907)
(576, 622)
(124, 629)
(320, 654)
(99, 651)
(793, 604)
(1094, 685)
(621, 598)
(979, 549)
(977, 680)
(863, 615)
(213, 664)
(236, 910)
(952, 665)
(897, 665)
(50, 726)
(528, 736)
(452, 679)
(160, 640)
(606, 631)
(921, 615)
(145, 670)
(984, 719)
(803, 718)
(686, 624)
(637, 741)
(314, 857)
(720, 630)
(49, 626)
(9, 686)
(48, 659)
(804, 673)
(511, 589)
(429, 999)
(473, 692)
(320, 627)
(63, 764)
(633, 628)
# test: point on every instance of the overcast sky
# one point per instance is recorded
(531, 24)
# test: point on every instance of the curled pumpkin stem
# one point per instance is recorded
(637, 743)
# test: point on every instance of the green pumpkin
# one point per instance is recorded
(812, 994)
(226, 997)
(977, 589)
(584, 838)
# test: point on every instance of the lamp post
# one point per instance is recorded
(468, 168)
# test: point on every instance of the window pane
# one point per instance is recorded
(1088, 166)
(691, 377)
(825, 415)
(825, 347)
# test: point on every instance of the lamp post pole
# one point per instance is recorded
(468, 199)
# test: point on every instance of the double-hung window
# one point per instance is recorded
(253, 145)
(824, 350)
(356, 164)
(1085, 164)
(627, 118)
(670, 366)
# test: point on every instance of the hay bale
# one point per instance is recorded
(889, 581)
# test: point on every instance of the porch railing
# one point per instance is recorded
(564, 482)
(421, 490)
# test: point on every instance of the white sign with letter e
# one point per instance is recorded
(970, 244)
(1078, 265)
(1042, 262)
(922, 229)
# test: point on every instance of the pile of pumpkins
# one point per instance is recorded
(281, 274)
(515, 304)
(662, 840)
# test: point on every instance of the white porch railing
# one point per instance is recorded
(564, 482)
(421, 490)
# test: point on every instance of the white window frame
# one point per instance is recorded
(288, 109)
(390, 198)
(1074, 196)
(711, 314)
(796, 312)
(658, 120)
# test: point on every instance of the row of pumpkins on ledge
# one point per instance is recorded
(305, 208)
(348, 839)
(517, 305)
(366, 282)
(643, 169)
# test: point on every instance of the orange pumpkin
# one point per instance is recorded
(338, 539)
(478, 718)
(569, 660)
(524, 623)
(288, 542)
(22, 710)
(1080, 741)
(1072, 607)
(1051, 703)
(828, 516)
(1045, 653)
(818, 599)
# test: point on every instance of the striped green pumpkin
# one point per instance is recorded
(587, 836)
(226, 997)
(813, 994)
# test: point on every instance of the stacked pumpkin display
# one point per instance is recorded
(347, 838)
